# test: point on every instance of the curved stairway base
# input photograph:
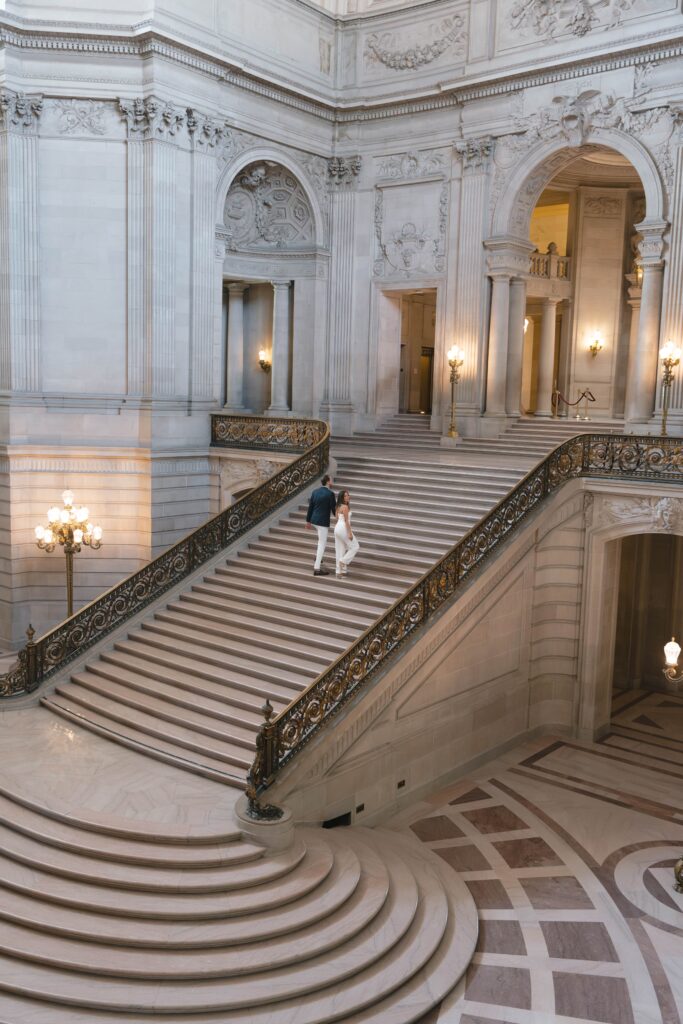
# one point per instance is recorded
(351, 924)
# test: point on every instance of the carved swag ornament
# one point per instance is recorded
(384, 47)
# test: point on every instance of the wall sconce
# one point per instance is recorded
(263, 360)
(595, 346)
(527, 321)
(639, 275)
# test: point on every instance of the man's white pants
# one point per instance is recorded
(322, 541)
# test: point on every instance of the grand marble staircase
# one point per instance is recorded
(187, 683)
(108, 923)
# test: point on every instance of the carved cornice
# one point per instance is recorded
(20, 112)
(14, 32)
(343, 170)
(151, 118)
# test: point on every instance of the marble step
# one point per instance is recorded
(454, 480)
(404, 935)
(69, 836)
(382, 580)
(274, 882)
(364, 608)
(372, 562)
(331, 892)
(118, 724)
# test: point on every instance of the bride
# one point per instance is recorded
(346, 545)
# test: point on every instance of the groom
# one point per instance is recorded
(320, 507)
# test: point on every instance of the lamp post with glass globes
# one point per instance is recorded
(69, 527)
(670, 356)
(455, 357)
(672, 651)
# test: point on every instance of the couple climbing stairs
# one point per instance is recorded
(103, 921)
(187, 683)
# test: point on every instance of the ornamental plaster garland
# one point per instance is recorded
(384, 47)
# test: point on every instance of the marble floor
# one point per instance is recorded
(568, 850)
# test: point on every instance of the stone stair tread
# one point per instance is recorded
(218, 667)
(315, 610)
(273, 616)
(220, 752)
(181, 617)
(216, 684)
(276, 881)
(255, 953)
(171, 878)
(368, 582)
(248, 626)
(252, 582)
(54, 832)
(110, 928)
(293, 657)
(396, 931)
(375, 529)
(207, 716)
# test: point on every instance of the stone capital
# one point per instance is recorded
(509, 256)
(20, 112)
(651, 244)
(151, 118)
(343, 170)
(237, 287)
(205, 132)
(280, 282)
(475, 154)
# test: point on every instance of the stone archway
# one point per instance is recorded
(578, 127)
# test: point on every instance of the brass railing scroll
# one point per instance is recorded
(56, 648)
(594, 456)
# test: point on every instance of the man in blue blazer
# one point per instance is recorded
(321, 506)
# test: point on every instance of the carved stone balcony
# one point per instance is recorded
(549, 274)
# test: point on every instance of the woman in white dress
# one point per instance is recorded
(346, 545)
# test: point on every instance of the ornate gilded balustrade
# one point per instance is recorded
(595, 456)
(43, 657)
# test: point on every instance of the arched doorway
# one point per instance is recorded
(591, 194)
(273, 290)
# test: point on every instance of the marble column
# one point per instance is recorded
(641, 385)
(280, 353)
(546, 358)
(513, 384)
(234, 360)
(498, 342)
(634, 297)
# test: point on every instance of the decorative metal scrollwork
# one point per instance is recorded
(59, 646)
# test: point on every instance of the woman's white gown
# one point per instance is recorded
(346, 550)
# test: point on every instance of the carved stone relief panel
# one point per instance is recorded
(267, 208)
(529, 20)
(422, 163)
(411, 223)
(411, 47)
(653, 513)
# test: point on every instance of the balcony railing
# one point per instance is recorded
(56, 648)
(593, 456)
(549, 265)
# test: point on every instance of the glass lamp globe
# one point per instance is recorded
(671, 652)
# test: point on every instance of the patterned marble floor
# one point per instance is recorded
(568, 851)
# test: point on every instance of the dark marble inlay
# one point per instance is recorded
(464, 858)
(494, 819)
(438, 827)
(593, 998)
(579, 940)
(501, 986)
(489, 894)
(471, 795)
(655, 889)
(501, 937)
(644, 720)
(556, 893)
(527, 853)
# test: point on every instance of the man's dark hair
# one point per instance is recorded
(325, 479)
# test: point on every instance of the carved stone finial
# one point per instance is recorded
(342, 170)
(30, 633)
(267, 711)
(19, 112)
(151, 118)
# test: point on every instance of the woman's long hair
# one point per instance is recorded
(340, 500)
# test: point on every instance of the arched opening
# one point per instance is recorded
(583, 289)
(271, 288)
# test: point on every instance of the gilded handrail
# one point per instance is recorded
(586, 455)
(60, 645)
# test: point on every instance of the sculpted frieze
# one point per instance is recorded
(551, 18)
(389, 48)
(653, 513)
(86, 117)
(413, 164)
